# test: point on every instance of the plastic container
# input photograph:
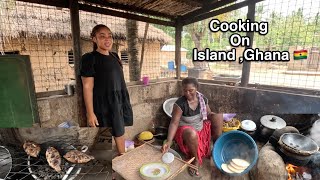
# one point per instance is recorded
(183, 68)
(235, 144)
(228, 117)
(68, 124)
(171, 65)
(227, 129)
(145, 80)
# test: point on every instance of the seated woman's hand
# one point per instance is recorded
(165, 147)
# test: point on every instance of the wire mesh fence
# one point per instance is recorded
(27, 167)
(28, 157)
(292, 25)
(44, 33)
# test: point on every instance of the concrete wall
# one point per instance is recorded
(146, 104)
(56, 110)
(226, 99)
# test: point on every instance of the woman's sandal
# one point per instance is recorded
(193, 172)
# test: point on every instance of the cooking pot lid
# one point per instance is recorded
(273, 122)
(248, 125)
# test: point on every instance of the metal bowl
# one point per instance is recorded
(299, 144)
(168, 106)
(5, 162)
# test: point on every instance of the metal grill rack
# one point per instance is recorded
(28, 168)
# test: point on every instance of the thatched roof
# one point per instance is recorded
(168, 7)
(31, 20)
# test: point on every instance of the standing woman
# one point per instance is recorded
(104, 89)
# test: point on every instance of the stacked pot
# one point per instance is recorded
(297, 149)
(269, 123)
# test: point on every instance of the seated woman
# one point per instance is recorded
(193, 124)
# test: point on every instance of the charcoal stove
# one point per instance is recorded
(25, 167)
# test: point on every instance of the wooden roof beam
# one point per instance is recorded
(219, 11)
(192, 2)
(56, 3)
(130, 8)
(126, 15)
(207, 8)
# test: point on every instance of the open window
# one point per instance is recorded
(124, 56)
(9, 52)
(70, 58)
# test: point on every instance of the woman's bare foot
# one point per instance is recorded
(192, 171)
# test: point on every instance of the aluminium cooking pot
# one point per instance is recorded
(293, 158)
(161, 133)
(269, 123)
(249, 127)
(298, 144)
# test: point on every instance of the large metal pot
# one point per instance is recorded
(161, 133)
(298, 144)
(269, 123)
(292, 158)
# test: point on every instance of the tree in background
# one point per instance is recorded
(296, 28)
(132, 38)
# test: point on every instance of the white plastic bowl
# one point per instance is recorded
(168, 106)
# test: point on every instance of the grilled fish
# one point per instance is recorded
(31, 148)
(53, 158)
(77, 157)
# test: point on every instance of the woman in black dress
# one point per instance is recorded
(104, 89)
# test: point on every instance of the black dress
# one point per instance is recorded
(111, 100)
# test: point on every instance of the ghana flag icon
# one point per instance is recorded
(301, 54)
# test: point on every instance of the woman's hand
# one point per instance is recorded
(92, 120)
(166, 146)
